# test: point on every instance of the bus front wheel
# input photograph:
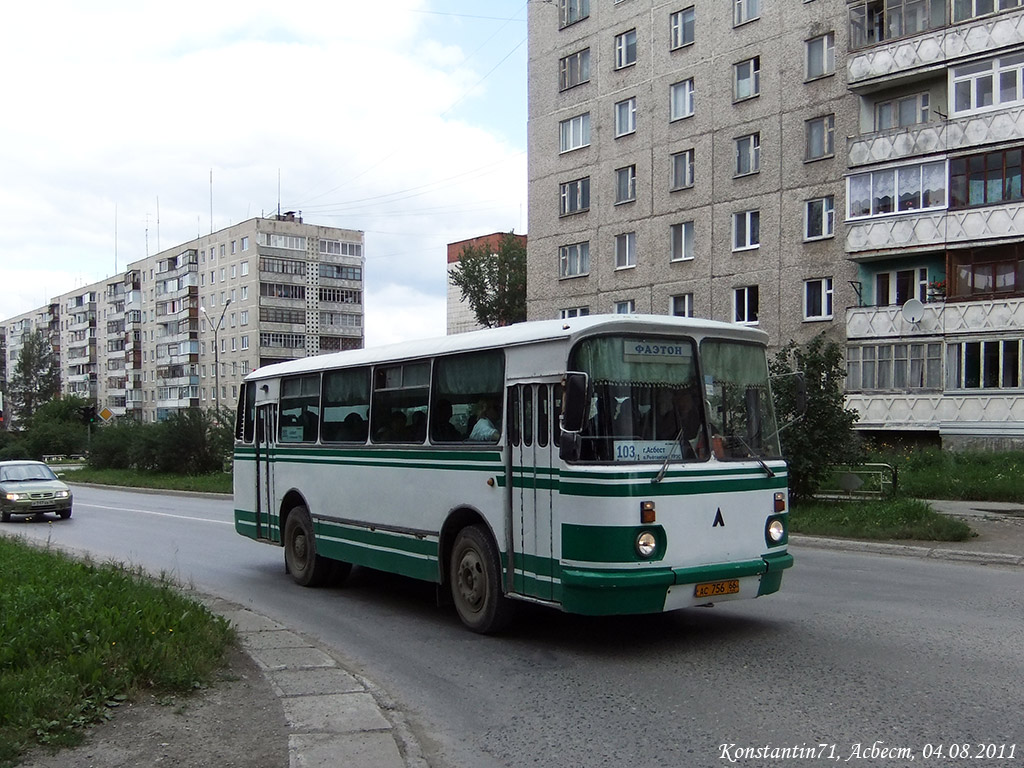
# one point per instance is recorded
(475, 577)
(306, 567)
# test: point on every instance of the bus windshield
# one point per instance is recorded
(652, 401)
(739, 399)
(645, 402)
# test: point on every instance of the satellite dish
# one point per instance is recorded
(912, 311)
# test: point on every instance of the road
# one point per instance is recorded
(855, 649)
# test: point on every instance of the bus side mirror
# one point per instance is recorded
(574, 409)
(574, 403)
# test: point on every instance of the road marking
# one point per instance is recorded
(152, 512)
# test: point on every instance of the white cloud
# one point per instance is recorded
(120, 104)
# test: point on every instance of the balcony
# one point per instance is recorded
(904, 232)
(883, 63)
(930, 138)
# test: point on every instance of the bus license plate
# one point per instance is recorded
(717, 588)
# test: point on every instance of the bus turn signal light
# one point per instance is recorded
(780, 501)
(647, 514)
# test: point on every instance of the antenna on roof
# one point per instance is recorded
(158, 223)
(279, 193)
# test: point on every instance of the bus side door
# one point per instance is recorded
(534, 480)
(266, 431)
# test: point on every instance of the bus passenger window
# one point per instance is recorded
(346, 406)
(543, 414)
(467, 393)
(399, 413)
(300, 409)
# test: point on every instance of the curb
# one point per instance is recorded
(907, 550)
(334, 717)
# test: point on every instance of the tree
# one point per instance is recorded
(823, 436)
(494, 283)
(36, 377)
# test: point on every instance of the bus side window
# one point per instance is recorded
(514, 417)
(246, 414)
(399, 413)
(300, 409)
(543, 414)
(465, 402)
(346, 406)
(527, 414)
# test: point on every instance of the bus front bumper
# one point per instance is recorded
(605, 592)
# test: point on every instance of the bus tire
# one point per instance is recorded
(306, 567)
(475, 579)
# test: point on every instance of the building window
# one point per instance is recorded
(875, 21)
(919, 187)
(681, 26)
(682, 169)
(245, 292)
(571, 11)
(745, 10)
(574, 69)
(625, 184)
(989, 364)
(821, 56)
(901, 113)
(625, 49)
(748, 154)
(818, 299)
(896, 288)
(571, 312)
(969, 9)
(747, 79)
(574, 196)
(625, 250)
(987, 85)
(682, 241)
(820, 137)
(627, 307)
(746, 230)
(991, 178)
(744, 306)
(574, 133)
(574, 260)
(994, 271)
(681, 99)
(625, 117)
(819, 218)
(681, 305)
(897, 366)
(245, 243)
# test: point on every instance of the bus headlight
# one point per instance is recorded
(646, 544)
(776, 530)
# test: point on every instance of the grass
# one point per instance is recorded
(77, 639)
(886, 519)
(930, 473)
(218, 482)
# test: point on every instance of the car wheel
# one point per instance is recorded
(475, 577)
(64, 514)
(306, 567)
(5, 516)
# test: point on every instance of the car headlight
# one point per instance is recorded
(646, 544)
(16, 496)
(61, 494)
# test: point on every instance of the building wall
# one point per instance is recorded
(782, 261)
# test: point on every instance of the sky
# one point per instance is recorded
(405, 119)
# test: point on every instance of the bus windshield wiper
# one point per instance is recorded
(767, 470)
(664, 467)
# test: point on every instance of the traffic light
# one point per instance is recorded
(87, 413)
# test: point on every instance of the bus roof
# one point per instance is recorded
(511, 335)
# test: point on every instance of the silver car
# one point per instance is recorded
(31, 488)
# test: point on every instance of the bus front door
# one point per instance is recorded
(266, 429)
(534, 480)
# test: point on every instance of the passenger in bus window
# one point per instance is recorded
(679, 418)
(485, 429)
(443, 430)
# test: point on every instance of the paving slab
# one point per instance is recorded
(322, 750)
(334, 713)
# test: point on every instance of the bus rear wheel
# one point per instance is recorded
(306, 567)
(475, 578)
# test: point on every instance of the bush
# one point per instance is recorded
(190, 443)
(823, 435)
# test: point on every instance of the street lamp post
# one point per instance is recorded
(216, 355)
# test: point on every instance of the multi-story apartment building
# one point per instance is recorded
(461, 317)
(180, 329)
(690, 158)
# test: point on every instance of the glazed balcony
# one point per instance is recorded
(906, 232)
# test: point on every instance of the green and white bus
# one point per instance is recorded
(601, 465)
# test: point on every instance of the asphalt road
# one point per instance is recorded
(855, 649)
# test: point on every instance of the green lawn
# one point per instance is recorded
(219, 482)
(78, 638)
(885, 519)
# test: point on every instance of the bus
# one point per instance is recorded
(600, 465)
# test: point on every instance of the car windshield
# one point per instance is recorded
(21, 472)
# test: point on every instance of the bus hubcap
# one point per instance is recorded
(471, 579)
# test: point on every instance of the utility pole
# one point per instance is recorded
(216, 354)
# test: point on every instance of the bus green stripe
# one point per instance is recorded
(608, 544)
